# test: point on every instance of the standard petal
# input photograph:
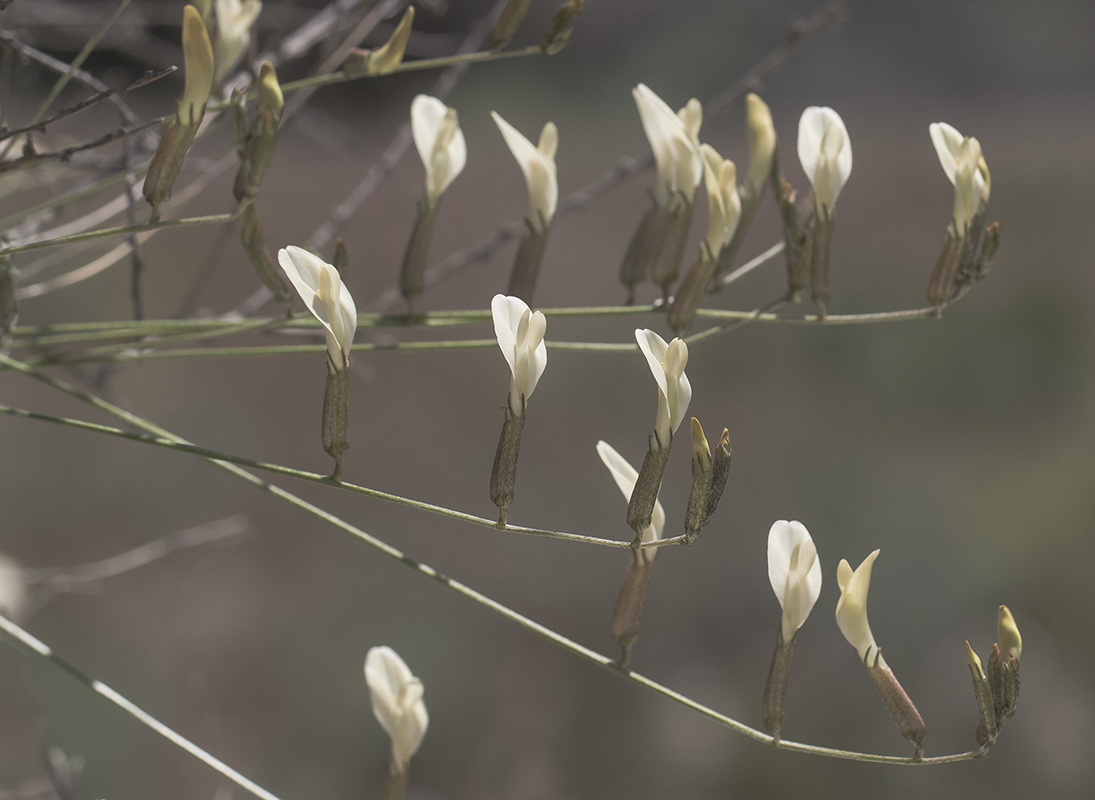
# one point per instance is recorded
(811, 127)
(538, 169)
(537, 353)
(947, 140)
(851, 609)
(680, 165)
(783, 537)
(426, 115)
(654, 349)
(622, 472)
(813, 133)
(507, 313)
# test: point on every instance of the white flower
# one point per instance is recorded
(794, 572)
(723, 203)
(538, 165)
(667, 363)
(234, 21)
(440, 144)
(962, 161)
(851, 609)
(625, 476)
(13, 589)
(520, 333)
(674, 140)
(825, 153)
(397, 703)
(321, 289)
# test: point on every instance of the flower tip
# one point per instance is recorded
(974, 661)
(1007, 633)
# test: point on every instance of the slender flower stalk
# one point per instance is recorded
(444, 153)
(628, 610)
(795, 574)
(965, 167)
(762, 151)
(234, 21)
(179, 131)
(323, 292)
(667, 363)
(396, 696)
(851, 616)
(723, 213)
(520, 333)
(657, 247)
(825, 153)
(537, 162)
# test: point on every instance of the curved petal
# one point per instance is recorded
(335, 309)
(507, 312)
(800, 595)
(411, 732)
(537, 350)
(851, 609)
(538, 169)
(684, 397)
(818, 128)
(622, 472)
(426, 115)
(680, 166)
(654, 348)
(947, 140)
(783, 537)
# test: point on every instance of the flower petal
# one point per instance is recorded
(654, 348)
(538, 168)
(783, 536)
(813, 132)
(622, 472)
(507, 312)
(947, 140)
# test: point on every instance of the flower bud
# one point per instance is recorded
(720, 473)
(508, 22)
(986, 729)
(559, 30)
(258, 145)
(179, 131)
(1007, 634)
(762, 144)
(254, 244)
(695, 515)
(384, 59)
(988, 250)
(9, 307)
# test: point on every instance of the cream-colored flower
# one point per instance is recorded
(762, 142)
(667, 363)
(794, 571)
(520, 332)
(674, 138)
(825, 152)
(625, 476)
(14, 594)
(397, 703)
(723, 202)
(234, 21)
(851, 609)
(1007, 634)
(948, 144)
(537, 162)
(321, 289)
(440, 144)
(198, 59)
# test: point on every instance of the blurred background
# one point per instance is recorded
(962, 447)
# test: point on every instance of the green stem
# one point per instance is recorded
(424, 569)
(42, 650)
(118, 231)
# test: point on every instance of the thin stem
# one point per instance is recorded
(42, 650)
(424, 569)
(122, 230)
(314, 477)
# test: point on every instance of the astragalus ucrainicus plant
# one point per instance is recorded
(235, 77)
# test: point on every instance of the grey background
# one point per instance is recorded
(961, 447)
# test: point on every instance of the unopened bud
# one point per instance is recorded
(775, 688)
(821, 236)
(762, 143)
(412, 277)
(667, 262)
(336, 414)
(690, 294)
(1007, 634)
(179, 132)
(643, 249)
(254, 243)
(640, 507)
(9, 308)
(986, 729)
(720, 473)
(385, 58)
(503, 475)
(901, 708)
(941, 284)
(508, 22)
(695, 515)
(526, 264)
(628, 610)
(258, 147)
(988, 249)
(341, 259)
(559, 30)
